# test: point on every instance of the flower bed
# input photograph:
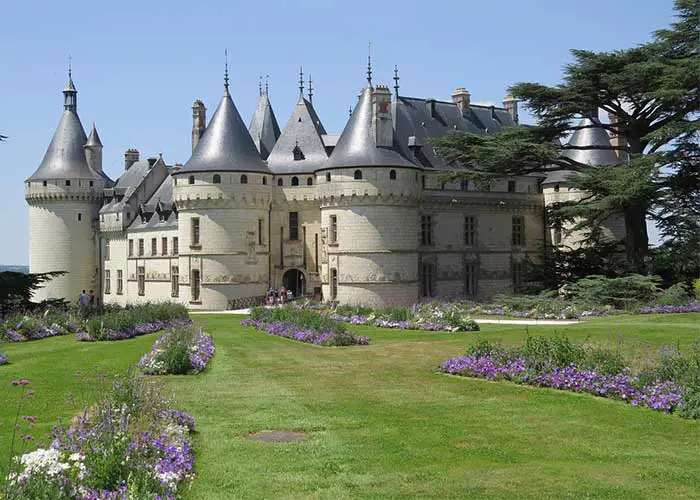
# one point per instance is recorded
(130, 445)
(303, 326)
(178, 351)
(549, 362)
(27, 328)
(3, 359)
(670, 309)
(108, 334)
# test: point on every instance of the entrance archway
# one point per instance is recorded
(294, 280)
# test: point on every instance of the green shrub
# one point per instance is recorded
(696, 288)
(627, 292)
(176, 356)
(544, 353)
(675, 295)
(302, 318)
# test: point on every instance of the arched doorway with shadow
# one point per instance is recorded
(294, 280)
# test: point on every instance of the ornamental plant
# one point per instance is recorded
(134, 321)
(3, 359)
(177, 352)
(131, 444)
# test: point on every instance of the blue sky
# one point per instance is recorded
(138, 66)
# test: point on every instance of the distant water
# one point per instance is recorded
(17, 269)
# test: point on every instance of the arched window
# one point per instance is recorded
(244, 179)
(358, 175)
(280, 181)
(295, 181)
(264, 180)
(556, 188)
(191, 179)
(310, 181)
(328, 176)
(217, 179)
(392, 175)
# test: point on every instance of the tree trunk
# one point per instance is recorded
(636, 237)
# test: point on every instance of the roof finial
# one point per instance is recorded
(70, 67)
(226, 72)
(396, 80)
(350, 111)
(260, 86)
(311, 90)
(267, 84)
(369, 63)
(301, 81)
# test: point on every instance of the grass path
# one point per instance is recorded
(382, 425)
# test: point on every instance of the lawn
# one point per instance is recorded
(382, 425)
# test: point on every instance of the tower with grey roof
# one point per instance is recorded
(64, 195)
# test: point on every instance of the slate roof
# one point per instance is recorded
(125, 187)
(304, 131)
(357, 146)
(94, 138)
(263, 127)
(226, 145)
(159, 211)
(591, 135)
(416, 120)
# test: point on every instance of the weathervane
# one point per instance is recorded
(311, 90)
(301, 81)
(226, 70)
(396, 80)
(369, 63)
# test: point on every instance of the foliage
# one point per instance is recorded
(177, 352)
(303, 318)
(16, 289)
(622, 293)
(696, 288)
(675, 295)
(134, 320)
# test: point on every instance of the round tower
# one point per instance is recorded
(64, 196)
(223, 195)
(370, 195)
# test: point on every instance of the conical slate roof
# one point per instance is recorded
(303, 131)
(94, 139)
(263, 127)
(592, 135)
(357, 145)
(65, 156)
(226, 144)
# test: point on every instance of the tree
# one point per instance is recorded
(16, 288)
(652, 93)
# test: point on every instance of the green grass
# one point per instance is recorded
(382, 425)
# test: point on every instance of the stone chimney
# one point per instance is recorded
(199, 122)
(382, 124)
(618, 138)
(462, 98)
(131, 156)
(511, 105)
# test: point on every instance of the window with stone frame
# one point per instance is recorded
(107, 249)
(334, 283)
(334, 229)
(427, 279)
(196, 286)
(174, 281)
(131, 248)
(141, 247)
(471, 278)
(108, 282)
(176, 245)
(261, 227)
(518, 233)
(517, 274)
(141, 280)
(470, 230)
(154, 246)
(293, 226)
(120, 282)
(164, 245)
(194, 231)
(426, 230)
(511, 186)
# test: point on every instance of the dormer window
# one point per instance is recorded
(280, 181)
(216, 179)
(264, 181)
(358, 175)
(191, 179)
(392, 175)
(295, 181)
(298, 154)
(67, 183)
(556, 188)
(328, 176)
(310, 181)
(244, 179)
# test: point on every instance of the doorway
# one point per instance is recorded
(295, 281)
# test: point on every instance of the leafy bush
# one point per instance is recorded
(131, 317)
(177, 352)
(675, 295)
(304, 319)
(696, 288)
(623, 293)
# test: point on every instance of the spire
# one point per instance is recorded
(590, 144)
(260, 86)
(226, 93)
(301, 82)
(311, 90)
(264, 128)
(267, 84)
(369, 64)
(350, 111)
(94, 138)
(396, 80)
(70, 94)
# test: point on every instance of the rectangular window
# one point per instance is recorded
(196, 285)
(517, 275)
(108, 282)
(120, 282)
(107, 249)
(164, 244)
(141, 247)
(464, 185)
(195, 230)
(141, 279)
(426, 230)
(334, 284)
(260, 231)
(556, 236)
(154, 246)
(131, 248)
(174, 281)
(470, 230)
(316, 251)
(518, 237)
(334, 228)
(176, 247)
(470, 279)
(427, 277)
(511, 186)
(294, 226)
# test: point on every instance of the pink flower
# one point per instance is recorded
(24, 381)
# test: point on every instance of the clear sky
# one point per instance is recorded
(139, 65)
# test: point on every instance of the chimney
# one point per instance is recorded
(511, 105)
(382, 124)
(131, 156)
(618, 138)
(199, 122)
(462, 98)
(430, 107)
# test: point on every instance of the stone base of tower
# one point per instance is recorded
(375, 294)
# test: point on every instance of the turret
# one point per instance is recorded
(264, 128)
(199, 122)
(93, 151)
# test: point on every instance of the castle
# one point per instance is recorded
(364, 217)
